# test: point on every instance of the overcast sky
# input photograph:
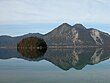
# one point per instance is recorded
(51, 13)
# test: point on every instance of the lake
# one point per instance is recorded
(77, 65)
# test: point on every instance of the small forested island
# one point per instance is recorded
(32, 47)
(32, 43)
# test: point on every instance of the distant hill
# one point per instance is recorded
(12, 41)
(65, 34)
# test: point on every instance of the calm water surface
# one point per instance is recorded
(55, 66)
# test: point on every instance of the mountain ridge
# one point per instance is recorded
(65, 34)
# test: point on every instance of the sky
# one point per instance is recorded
(18, 17)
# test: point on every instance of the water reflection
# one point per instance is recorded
(63, 58)
(76, 58)
(32, 54)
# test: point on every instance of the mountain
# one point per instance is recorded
(76, 35)
(66, 35)
(58, 35)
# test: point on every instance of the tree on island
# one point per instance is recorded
(32, 47)
(32, 43)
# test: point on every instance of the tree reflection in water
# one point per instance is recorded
(32, 53)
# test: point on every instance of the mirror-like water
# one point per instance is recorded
(89, 65)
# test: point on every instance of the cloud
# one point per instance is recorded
(46, 11)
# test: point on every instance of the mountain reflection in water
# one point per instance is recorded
(65, 59)
(76, 58)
